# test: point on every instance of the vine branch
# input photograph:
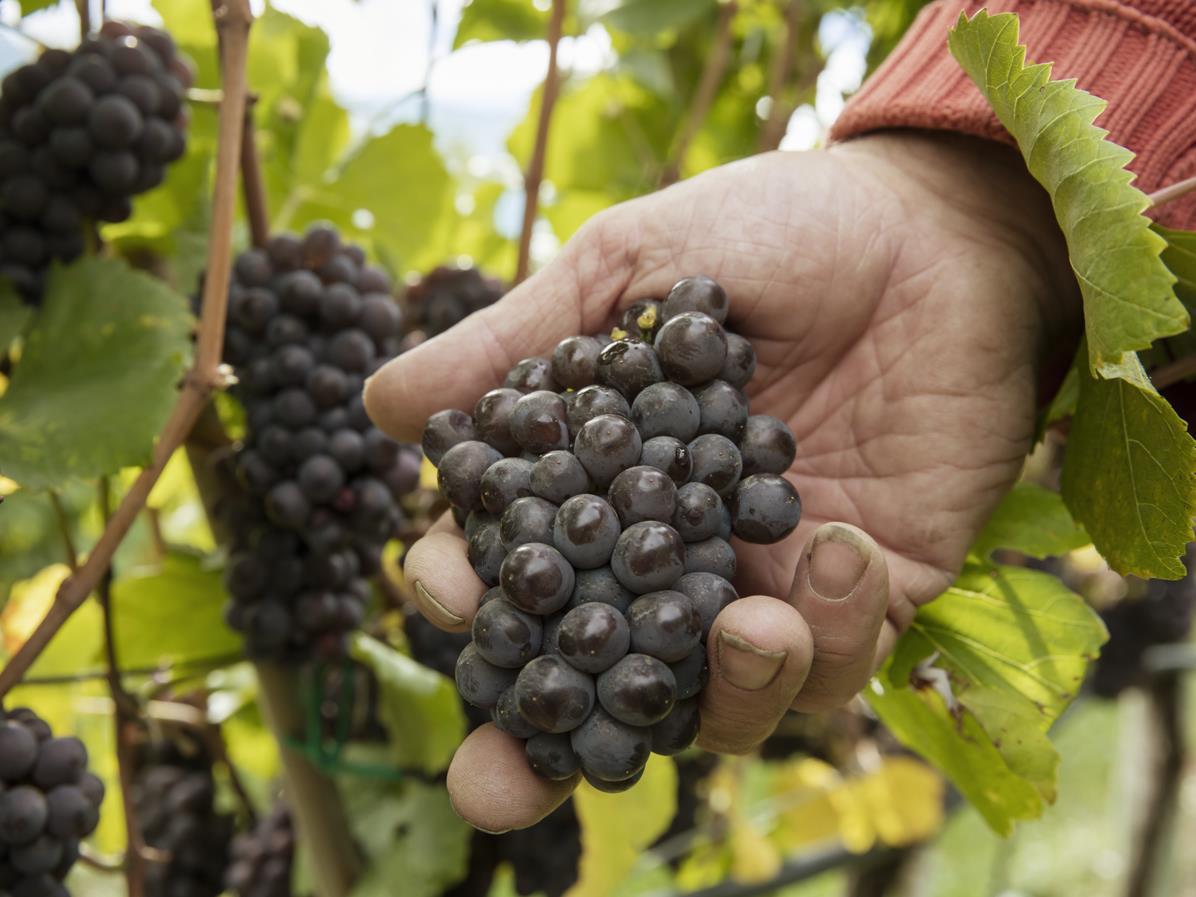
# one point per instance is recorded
(233, 19)
(774, 127)
(703, 98)
(253, 188)
(64, 528)
(83, 7)
(535, 166)
(1172, 193)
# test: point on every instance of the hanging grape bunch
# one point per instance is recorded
(308, 322)
(81, 134)
(598, 490)
(263, 858)
(446, 296)
(49, 802)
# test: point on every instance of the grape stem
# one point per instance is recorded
(84, 9)
(778, 112)
(64, 529)
(712, 76)
(233, 19)
(535, 166)
(1174, 192)
(257, 209)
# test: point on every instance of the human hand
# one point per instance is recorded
(898, 291)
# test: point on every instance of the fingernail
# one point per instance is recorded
(746, 666)
(435, 611)
(838, 559)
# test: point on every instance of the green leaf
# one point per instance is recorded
(30, 535)
(98, 376)
(617, 828)
(148, 605)
(418, 706)
(418, 846)
(1180, 259)
(1011, 647)
(32, 6)
(14, 316)
(650, 17)
(1127, 474)
(483, 20)
(1127, 290)
(1032, 520)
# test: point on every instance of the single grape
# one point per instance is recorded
(39, 857)
(574, 361)
(492, 419)
(643, 493)
(765, 509)
(480, 682)
(691, 672)
(713, 555)
(115, 122)
(460, 473)
(740, 363)
(664, 625)
(293, 408)
(558, 476)
(485, 552)
(638, 690)
(347, 448)
(70, 812)
(23, 814)
(300, 292)
(18, 751)
(319, 245)
(588, 403)
(670, 455)
(612, 787)
(600, 585)
(537, 578)
(700, 513)
(606, 445)
(320, 477)
(697, 294)
(629, 366)
(507, 718)
(767, 446)
(528, 519)
(610, 750)
(551, 756)
(351, 350)
(692, 348)
(716, 462)
(648, 556)
(666, 409)
(585, 531)
(678, 730)
(380, 316)
(66, 101)
(724, 410)
(59, 762)
(553, 696)
(539, 422)
(505, 635)
(491, 594)
(475, 521)
(92, 787)
(593, 637)
(504, 481)
(341, 307)
(709, 593)
(530, 375)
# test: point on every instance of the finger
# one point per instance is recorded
(573, 294)
(492, 787)
(759, 653)
(841, 589)
(447, 590)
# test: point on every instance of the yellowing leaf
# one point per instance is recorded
(615, 828)
(1032, 520)
(903, 801)
(754, 856)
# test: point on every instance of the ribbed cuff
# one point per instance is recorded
(1136, 57)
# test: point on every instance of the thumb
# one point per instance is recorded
(575, 294)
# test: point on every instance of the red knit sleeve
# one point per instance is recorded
(1140, 55)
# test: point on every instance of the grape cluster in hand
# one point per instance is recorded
(81, 134)
(598, 490)
(262, 858)
(49, 801)
(308, 321)
(174, 793)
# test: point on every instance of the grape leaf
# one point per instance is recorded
(1180, 259)
(650, 17)
(483, 20)
(30, 534)
(1009, 647)
(98, 376)
(1032, 520)
(418, 706)
(14, 316)
(1127, 290)
(1127, 474)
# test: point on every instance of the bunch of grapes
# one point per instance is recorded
(81, 133)
(174, 793)
(262, 858)
(598, 490)
(308, 321)
(48, 803)
(446, 296)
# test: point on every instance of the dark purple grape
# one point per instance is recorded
(504, 481)
(299, 293)
(24, 198)
(697, 294)
(531, 375)
(320, 477)
(328, 386)
(23, 814)
(319, 245)
(341, 307)
(72, 147)
(70, 812)
(528, 519)
(18, 751)
(39, 857)
(492, 418)
(553, 696)
(593, 637)
(767, 446)
(712, 555)
(293, 408)
(347, 448)
(610, 750)
(638, 690)
(460, 473)
(93, 787)
(709, 593)
(666, 409)
(691, 673)
(574, 361)
(585, 531)
(507, 718)
(678, 730)
(480, 682)
(491, 594)
(629, 366)
(588, 403)
(643, 493)
(716, 462)
(740, 363)
(115, 122)
(600, 585)
(692, 348)
(380, 316)
(444, 430)
(765, 509)
(648, 556)
(700, 513)
(60, 761)
(612, 787)
(670, 455)
(539, 422)
(94, 71)
(505, 635)
(558, 476)
(551, 756)
(351, 350)
(485, 552)
(607, 445)
(476, 520)
(724, 410)
(66, 101)
(664, 625)
(537, 578)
